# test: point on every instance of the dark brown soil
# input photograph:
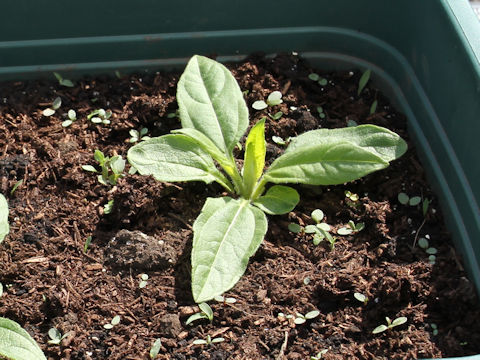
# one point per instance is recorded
(49, 281)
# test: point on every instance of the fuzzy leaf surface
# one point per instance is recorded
(16, 343)
(173, 158)
(4, 227)
(211, 101)
(226, 234)
(278, 200)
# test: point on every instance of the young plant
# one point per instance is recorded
(16, 343)
(208, 341)
(214, 118)
(404, 199)
(4, 226)
(111, 168)
(275, 98)
(320, 112)
(302, 319)
(108, 207)
(206, 312)
(155, 349)
(280, 141)
(56, 336)
(360, 297)
(15, 186)
(115, 321)
(319, 355)
(71, 117)
(363, 81)
(351, 229)
(100, 116)
(320, 80)
(390, 324)
(143, 282)
(87, 243)
(55, 106)
(62, 81)
(321, 230)
(138, 135)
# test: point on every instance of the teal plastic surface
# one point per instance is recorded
(424, 53)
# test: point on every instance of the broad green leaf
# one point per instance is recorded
(117, 164)
(16, 343)
(378, 140)
(255, 150)
(278, 200)
(324, 164)
(211, 101)
(174, 158)
(4, 227)
(226, 234)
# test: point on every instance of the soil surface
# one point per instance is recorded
(53, 278)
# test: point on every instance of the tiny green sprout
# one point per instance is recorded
(15, 187)
(155, 349)
(56, 336)
(301, 319)
(351, 196)
(143, 281)
(321, 230)
(55, 106)
(87, 243)
(319, 355)
(174, 114)
(138, 135)
(351, 123)
(423, 243)
(71, 117)
(280, 141)
(206, 312)
(62, 81)
(321, 114)
(225, 300)
(373, 107)
(352, 228)
(108, 207)
(294, 228)
(118, 74)
(425, 205)
(208, 341)
(320, 80)
(404, 199)
(112, 168)
(390, 324)
(434, 329)
(276, 116)
(100, 116)
(360, 297)
(363, 81)
(115, 321)
(432, 259)
(275, 98)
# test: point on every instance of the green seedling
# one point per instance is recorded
(115, 321)
(111, 168)
(275, 98)
(15, 187)
(302, 319)
(351, 123)
(155, 349)
(62, 81)
(143, 281)
(320, 80)
(71, 117)
(295, 228)
(321, 114)
(390, 324)
(321, 230)
(360, 297)
(373, 107)
(4, 226)
(225, 300)
(138, 135)
(214, 118)
(108, 207)
(174, 114)
(56, 336)
(100, 116)
(16, 343)
(319, 355)
(55, 106)
(351, 199)
(208, 341)
(404, 199)
(87, 243)
(206, 312)
(351, 229)
(278, 115)
(279, 141)
(434, 329)
(363, 81)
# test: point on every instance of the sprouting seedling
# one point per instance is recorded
(206, 312)
(108, 207)
(373, 107)
(208, 341)
(280, 141)
(214, 118)
(320, 80)
(225, 300)
(56, 336)
(173, 114)
(4, 226)
(430, 251)
(351, 199)
(71, 117)
(352, 228)
(138, 135)
(404, 199)
(302, 319)
(320, 112)
(363, 81)
(55, 106)
(15, 186)
(62, 81)
(275, 98)
(155, 349)
(278, 115)
(319, 355)
(360, 297)
(143, 281)
(351, 123)
(321, 230)
(87, 243)
(115, 321)
(100, 116)
(111, 168)
(390, 324)
(434, 329)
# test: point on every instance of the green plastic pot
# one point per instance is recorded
(424, 54)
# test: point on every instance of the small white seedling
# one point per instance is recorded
(115, 321)
(390, 324)
(55, 106)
